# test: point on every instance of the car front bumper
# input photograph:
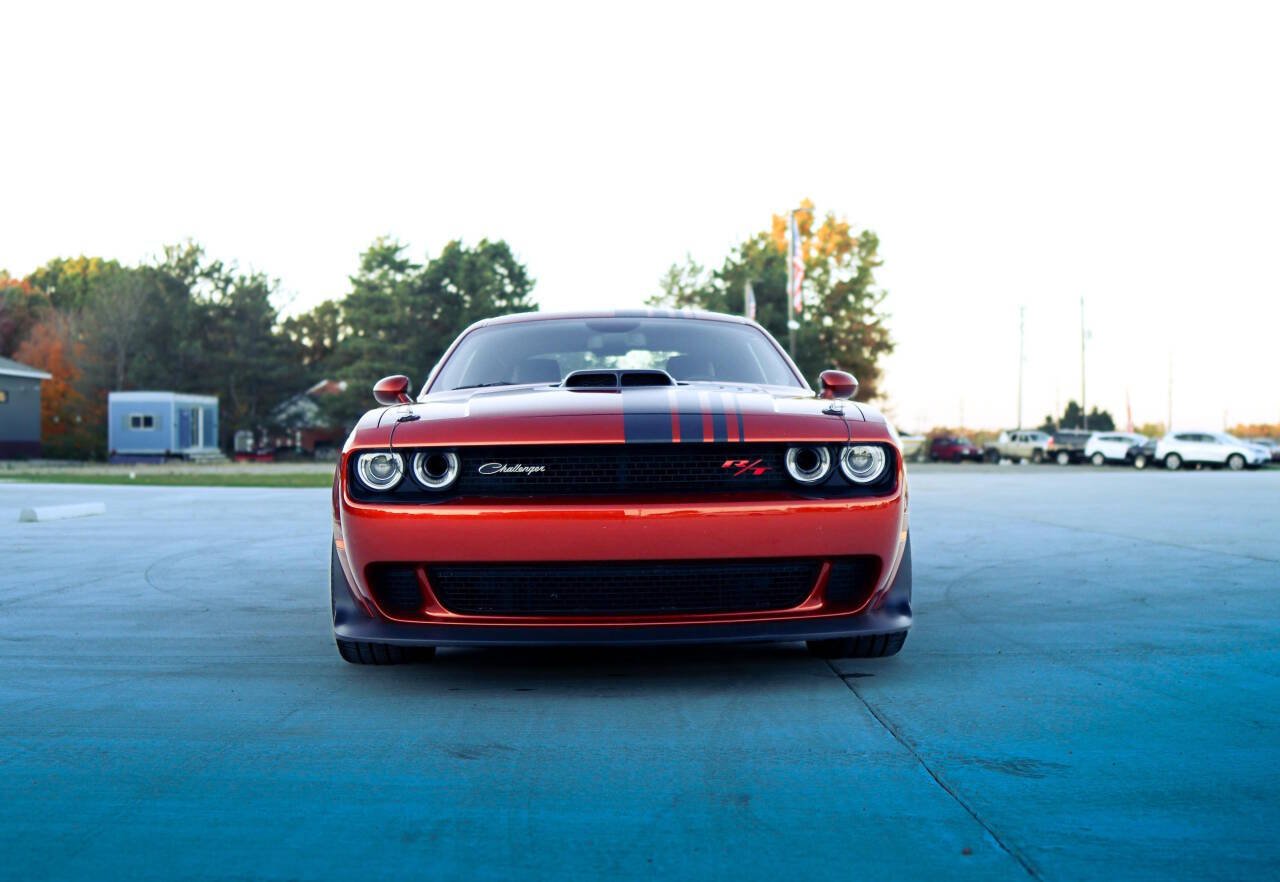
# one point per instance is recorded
(653, 530)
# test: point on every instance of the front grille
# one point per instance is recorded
(395, 587)
(623, 588)
(594, 468)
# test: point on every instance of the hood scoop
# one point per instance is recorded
(615, 381)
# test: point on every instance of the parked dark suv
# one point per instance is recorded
(953, 448)
(1066, 446)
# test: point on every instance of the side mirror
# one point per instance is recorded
(837, 384)
(392, 390)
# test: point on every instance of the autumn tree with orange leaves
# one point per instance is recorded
(70, 418)
(842, 324)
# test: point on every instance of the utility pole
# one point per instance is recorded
(1084, 409)
(1022, 339)
(1169, 423)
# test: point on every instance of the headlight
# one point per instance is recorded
(380, 471)
(863, 463)
(435, 470)
(808, 465)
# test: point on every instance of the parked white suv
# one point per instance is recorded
(1105, 447)
(1213, 448)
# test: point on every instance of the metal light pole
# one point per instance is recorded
(1022, 337)
(1084, 409)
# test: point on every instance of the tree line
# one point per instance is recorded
(188, 322)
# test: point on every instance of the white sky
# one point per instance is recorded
(1006, 153)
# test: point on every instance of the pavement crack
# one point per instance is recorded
(937, 779)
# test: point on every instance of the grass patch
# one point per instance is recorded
(211, 479)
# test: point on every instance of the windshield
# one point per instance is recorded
(546, 351)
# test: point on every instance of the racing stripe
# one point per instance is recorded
(639, 427)
(732, 415)
(690, 416)
(719, 422)
(742, 434)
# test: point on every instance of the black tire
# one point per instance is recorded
(1140, 461)
(1037, 456)
(1098, 459)
(361, 653)
(1063, 458)
(1172, 462)
(1235, 462)
(865, 646)
(993, 457)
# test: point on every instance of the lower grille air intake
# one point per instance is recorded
(851, 581)
(395, 587)
(623, 588)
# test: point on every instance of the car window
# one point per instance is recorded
(547, 350)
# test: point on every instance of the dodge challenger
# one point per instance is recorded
(627, 477)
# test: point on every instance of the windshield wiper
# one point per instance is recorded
(483, 385)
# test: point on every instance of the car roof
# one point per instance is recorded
(642, 312)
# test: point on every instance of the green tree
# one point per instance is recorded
(400, 315)
(842, 324)
(316, 334)
(70, 282)
(1099, 420)
(250, 365)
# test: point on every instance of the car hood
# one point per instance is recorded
(546, 414)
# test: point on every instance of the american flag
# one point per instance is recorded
(797, 269)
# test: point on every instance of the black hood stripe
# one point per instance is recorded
(686, 408)
(644, 428)
(719, 420)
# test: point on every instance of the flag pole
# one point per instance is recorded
(791, 274)
(795, 281)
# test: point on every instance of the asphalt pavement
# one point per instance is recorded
(1091, 691)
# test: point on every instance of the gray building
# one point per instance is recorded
(20, 409)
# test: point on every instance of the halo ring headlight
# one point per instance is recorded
(808, 465)
(381, 470)
(863, 463)
(435, 470)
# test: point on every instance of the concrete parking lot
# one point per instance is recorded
(1091, 691)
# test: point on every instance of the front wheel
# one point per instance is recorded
(1063, 458)
(1235, 462)
(993, 457)
(1140, 461)
(1173, 462)
(1098, 459)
